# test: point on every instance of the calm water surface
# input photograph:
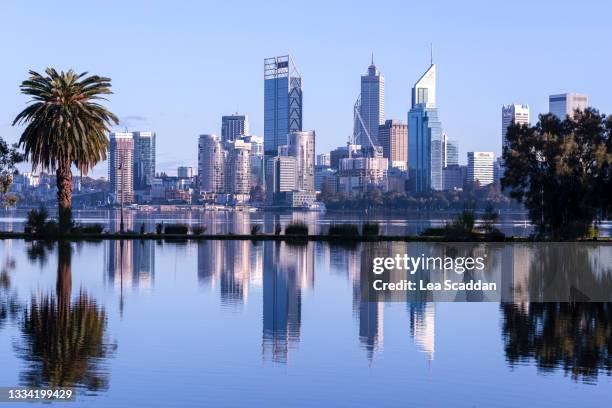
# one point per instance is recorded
(232, 323)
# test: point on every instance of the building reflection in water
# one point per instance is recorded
(130, 264)
(288, 271)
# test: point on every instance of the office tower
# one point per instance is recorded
(514, 113)
(233, 126)
(565, 104)
(211, 162)
(425, 145)
(450, 151)
(393, 137)
(257, 159)
(454, 176)
(480, 168)
(238, 170)
(184, 172)
(372, 105)
(301, 145)
(144, 159)
(282, 102)
(121, 166)
(323, 160)
(280, 177)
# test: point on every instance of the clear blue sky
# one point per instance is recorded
(178, 66)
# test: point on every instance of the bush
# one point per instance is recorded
(159, 228)
(296, 228)
(255, 229)
(89, 229)
(198, 229)
(35, 222)
(181, 229)
(370, 229)
(142, 228)
(277, 229)
(344, 230)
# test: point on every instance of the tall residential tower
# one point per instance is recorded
(121, 166)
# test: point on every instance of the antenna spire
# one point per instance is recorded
(372, 57)
(431, 53)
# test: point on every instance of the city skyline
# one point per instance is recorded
(330, 76)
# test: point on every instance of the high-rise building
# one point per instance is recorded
(480, 168)
(372, 105)
(361, 174)
(393, 137)
(184, 172)
(282, 102)
(301, 145)
(211, 164)
(121, 166)
(450, 151)
(257, 159)
(144, 159)
(425, 145)
(233, 126)
(280, 177)
(238, 170)
(323, 160)
(565, 104)
(454, 176)
(514, 113)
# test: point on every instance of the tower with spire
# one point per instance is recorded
(372, 104)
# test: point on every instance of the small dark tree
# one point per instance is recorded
(560, 171)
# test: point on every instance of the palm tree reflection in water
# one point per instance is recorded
(64, 340)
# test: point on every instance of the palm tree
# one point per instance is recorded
(66, 126)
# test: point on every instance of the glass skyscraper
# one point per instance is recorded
(144, 159)
(372, 105)
(282, 102)
(425, 142)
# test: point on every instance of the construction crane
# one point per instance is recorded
(359, 127)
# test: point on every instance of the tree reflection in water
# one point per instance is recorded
(576, 337)
(64, 339)
(8, 299)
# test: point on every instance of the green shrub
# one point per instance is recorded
(89, 229)
(198, 229)
(370, 229)
(255, 229)
(181, 229)
(159, 228)
(344, 230)
(35, 222)
(296, 228)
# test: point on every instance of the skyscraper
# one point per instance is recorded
(282, 102)
(280, 177)
(233, 126)
(144, 159)
(514, 113)
(565, 104)
(121, 166)
(211, 164)
(425, 145)
(393, 137)
(372, 105)
(450, 151)
(480, 168)
(238, 170)
(301, 145)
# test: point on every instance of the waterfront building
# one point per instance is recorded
(280, 177)
(144, 159)
(282, 102)
(480, 168)
(361, 174)
(514, 113)
(301, 145)
(234, 126)
(121, 166)
(211, 164)
(256, 158)
(323, 174)
(450, 151)
(393, 137)
(425, 146)
(372, 105)
(454, 177)
(238, 169)
(562, 105)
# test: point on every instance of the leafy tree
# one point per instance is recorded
(65, 125)
(560, 170)
(9, 157)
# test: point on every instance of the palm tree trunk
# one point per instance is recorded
(64, 275)
(64, 197)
